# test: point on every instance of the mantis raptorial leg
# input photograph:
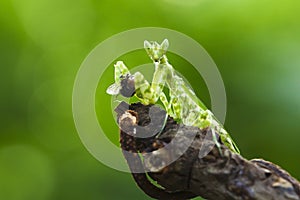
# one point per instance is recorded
(145, 92)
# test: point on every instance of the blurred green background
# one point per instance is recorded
(255, 44)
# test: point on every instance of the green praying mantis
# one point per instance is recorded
(183, 105)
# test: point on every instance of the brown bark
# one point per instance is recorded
(220, 174)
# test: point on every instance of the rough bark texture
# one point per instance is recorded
(220, 174)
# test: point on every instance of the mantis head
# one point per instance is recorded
(156, 51)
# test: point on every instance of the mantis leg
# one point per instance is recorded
(145, 93)
(226, 139)
(174, 106)
(166, 104)
(120, 70)
(215, 139)
(143, 89)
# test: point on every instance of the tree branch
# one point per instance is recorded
(201, 169)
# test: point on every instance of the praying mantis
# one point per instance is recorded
(183, 105)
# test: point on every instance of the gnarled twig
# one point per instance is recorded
(221, 174)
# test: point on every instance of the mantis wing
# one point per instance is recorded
(113, 89)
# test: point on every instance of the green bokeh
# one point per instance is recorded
(255, 44)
